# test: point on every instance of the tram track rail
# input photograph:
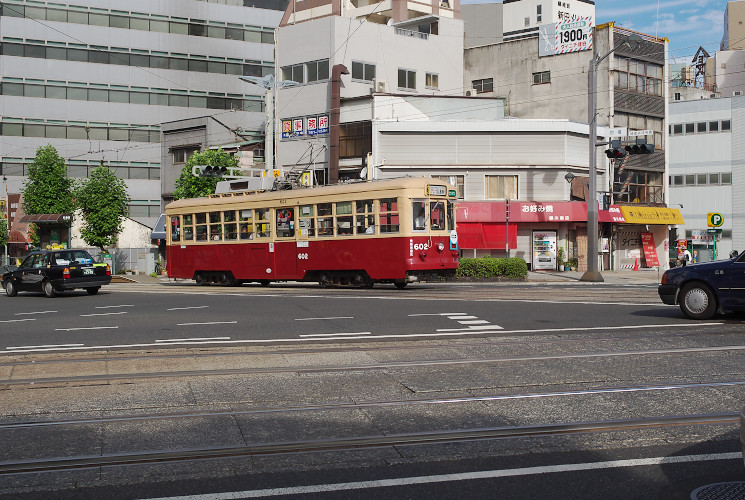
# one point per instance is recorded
(384, 365)
(365, 442)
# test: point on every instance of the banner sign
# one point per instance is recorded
(565, 36)
(650, 251)
(311, 126)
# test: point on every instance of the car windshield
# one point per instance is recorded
(70, 256)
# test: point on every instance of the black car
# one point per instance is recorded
(703, 289)
(54, 271)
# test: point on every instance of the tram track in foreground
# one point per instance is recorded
(373, 365)
(365, 442)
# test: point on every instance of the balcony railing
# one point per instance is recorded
(410, 33)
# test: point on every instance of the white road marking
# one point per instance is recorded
(330, 317)
(193, 339)
(437, 314)
(111, 307)
(184, 308)
(442, 334)
(17, 320)
(463, 317)
(334, 334)
(473, 322)
(462, 476)
(41, 346)
(208, 323)
(86, 328)
(103, 314)
(37, 312)
(472, 327)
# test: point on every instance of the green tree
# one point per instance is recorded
(4, 233)
(48, 189)
(190, 186)
(103, 200)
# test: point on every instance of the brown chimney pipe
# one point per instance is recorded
(336, 72)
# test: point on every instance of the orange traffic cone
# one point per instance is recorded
(636, 264)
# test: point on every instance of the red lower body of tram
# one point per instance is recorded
(354, 261)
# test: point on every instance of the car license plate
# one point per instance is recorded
(87, 271)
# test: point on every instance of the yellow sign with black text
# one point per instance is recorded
(652, 215)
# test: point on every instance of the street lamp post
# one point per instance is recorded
(271, 85)
(592, 273)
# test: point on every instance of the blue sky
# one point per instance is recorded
(688, 24)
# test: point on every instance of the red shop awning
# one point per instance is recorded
(486, 235)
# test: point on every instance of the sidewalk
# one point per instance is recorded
(621, 277)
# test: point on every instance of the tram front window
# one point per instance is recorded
(419, 212)
(437, 215)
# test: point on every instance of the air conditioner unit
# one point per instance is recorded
(380, 86)
(737, 92)
(471, 92)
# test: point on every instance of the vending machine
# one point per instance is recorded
(544, 250)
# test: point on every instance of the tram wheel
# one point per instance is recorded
(199, 279)
(264, 282)
(400, 284)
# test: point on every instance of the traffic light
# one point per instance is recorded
(640, 148)
(208, 171)
(615, 152)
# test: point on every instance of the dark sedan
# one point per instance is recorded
(703, 289)
(55, 271)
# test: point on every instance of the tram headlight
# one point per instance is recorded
(440, 247)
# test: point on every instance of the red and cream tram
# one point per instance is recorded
(388, 231)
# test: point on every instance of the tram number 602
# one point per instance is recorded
(421, 246)
(302, 256)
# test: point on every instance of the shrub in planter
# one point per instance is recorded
(488, 267)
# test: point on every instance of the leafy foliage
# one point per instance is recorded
(4, 233)
(33, 234)
(48, 189)
(487, 267)
(103, 200)
(190, 186)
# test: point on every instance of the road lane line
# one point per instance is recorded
(472, 327)
(460, 476)
(103, 314)
(184, 308)
(111, 307)
(463, 317)
(86, 328)
(334, 334)
(330, 317)
(44, 346)
(208, 323)
(474, 322)
(17, 320)
(37, 312)
(438, 314)
(193, 339)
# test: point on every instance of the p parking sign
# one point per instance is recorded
(715, 219)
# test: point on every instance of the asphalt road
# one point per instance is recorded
(293, 379)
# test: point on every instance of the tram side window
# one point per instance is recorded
(188, 227)
(246, 226)
(437, 215)
(175, 229)
(307, 225)
(365, 222)
(419, 214)
(201, 227)
(325, 220)
(344, 218)
(215, 226)
(389, 221)
(285, 222)
(451, 216)
(262, 221)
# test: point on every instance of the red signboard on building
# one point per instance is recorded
(650, 251)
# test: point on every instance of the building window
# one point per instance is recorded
(432, 81)
(714, 179)
(701, 127)
(538, 13)
(363, 71)
(677, 96)
(483, 85)
(293, 73)
(456, 180)
(501, 187)
(689, 128)
(713, 126)
(725, 125)
(677, 128)
(726, 178)
(355, 139)
(406, 79)
(182, 155)
(541, 77)
(678, 180)
(701, 179)
(690, 179)
(637, 76)
(641, 187)
(317, 70)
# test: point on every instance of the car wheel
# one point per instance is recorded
(697, 301)
(48, 289)
(93, 290)
(10, 289)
